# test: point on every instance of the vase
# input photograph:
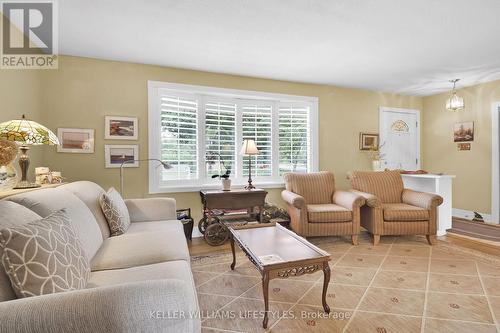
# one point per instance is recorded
(226, 184)
(8, 177)
(377, 165)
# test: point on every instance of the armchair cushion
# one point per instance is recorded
(386, 185)
(404, 212)
(328, 213)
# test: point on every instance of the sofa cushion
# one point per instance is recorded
(315, 187)
(46, 201)
(386, 185)
(176, 269)
(404, 212)
(11, 215)
(328, 213)
(116, 212)
(89, 193)
(44, 256)
(144, 243)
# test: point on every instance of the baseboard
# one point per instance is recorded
(469, 215)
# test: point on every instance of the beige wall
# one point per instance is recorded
(20, 93)
(83, 91)
(472, 186)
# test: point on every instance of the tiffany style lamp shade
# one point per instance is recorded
(26, 132)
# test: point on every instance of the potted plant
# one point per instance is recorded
(377, 157)
(226, 182)
(212, 158)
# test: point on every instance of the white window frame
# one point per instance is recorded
(228, 95)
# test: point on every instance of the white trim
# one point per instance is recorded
(239, 97)
(231, 93)
(416, 112)
(495, 161)
(469, 215)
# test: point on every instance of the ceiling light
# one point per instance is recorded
(455, 103)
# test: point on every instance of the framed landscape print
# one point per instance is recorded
(463, 132)
(115, 155)
(367, 141)
(121, 128)
(75, 140)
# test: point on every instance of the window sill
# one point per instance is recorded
(191, 188)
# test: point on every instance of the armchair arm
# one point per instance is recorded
(133, 307)
(293, 199)
(421, 199)
(151, 209)
(371, 200)
(348, 199)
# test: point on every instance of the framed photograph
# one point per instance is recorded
(121, 128)
(463, 132)
(463, 146)
(367, 141)
(115, 155)
(75, 140)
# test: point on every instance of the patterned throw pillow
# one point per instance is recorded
(116, 212)
(44, 256)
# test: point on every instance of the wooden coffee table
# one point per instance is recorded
(279, 253)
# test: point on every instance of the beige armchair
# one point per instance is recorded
(393, 210)
(317, 209)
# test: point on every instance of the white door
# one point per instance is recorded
(400, 138)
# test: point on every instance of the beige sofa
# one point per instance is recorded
(141, 281)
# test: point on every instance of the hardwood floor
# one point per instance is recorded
(198, 246)
(490, 232)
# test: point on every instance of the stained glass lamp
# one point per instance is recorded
(26, 132)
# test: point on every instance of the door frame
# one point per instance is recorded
(416, 112)
(495, 162)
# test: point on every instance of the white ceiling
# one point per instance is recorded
(402, 46)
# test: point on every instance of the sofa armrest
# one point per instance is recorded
(293, 199)
(371, 200)
(151, 209)
(133, 307)
(421, 199)
(348, 200)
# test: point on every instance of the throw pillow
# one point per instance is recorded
(44, 256)
(115, 210)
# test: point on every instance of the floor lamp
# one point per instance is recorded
(249, 149)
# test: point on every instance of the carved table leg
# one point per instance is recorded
(265, 290)
(326, 280)
(232, 250)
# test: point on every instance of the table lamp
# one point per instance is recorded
(26, 132)
(166, 166)
(249, 149)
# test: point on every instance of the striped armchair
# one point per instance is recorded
(393, 210)
(316, 208)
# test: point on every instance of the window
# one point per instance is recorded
(199, 132)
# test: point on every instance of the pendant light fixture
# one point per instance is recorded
(455, 103)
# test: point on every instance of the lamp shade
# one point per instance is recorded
(27, 132)
(249, 148)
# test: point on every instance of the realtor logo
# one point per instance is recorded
(29, 35)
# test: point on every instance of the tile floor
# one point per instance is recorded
(401, 285)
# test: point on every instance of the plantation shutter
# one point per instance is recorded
(294, 143)
(179, 127)
(257, 125)
(220, 138)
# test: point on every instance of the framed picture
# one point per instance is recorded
(463, 132)
(121, 128)
(463, 146)
(75, 140)
(367, 141)
(115, 155)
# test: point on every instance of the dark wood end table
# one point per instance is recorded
(294, 256)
